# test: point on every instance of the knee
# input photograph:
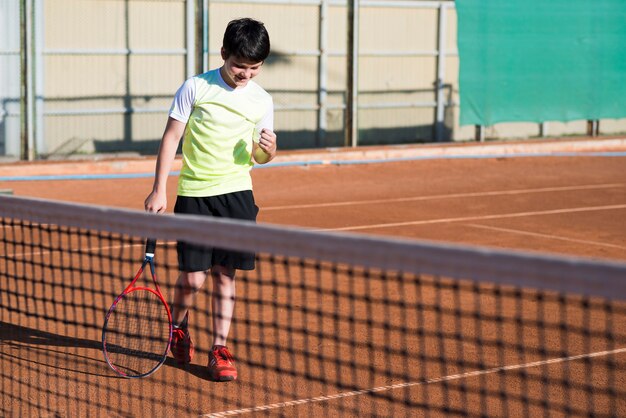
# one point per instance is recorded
(192, 281)
(222, 276)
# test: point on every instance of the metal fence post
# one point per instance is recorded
(190, 42)
(543, 129)
(351, 122)
(479, 133)
(441, 72)
(198, 27)
(205, 35)
(27, 149)
(39, 77)
(322, 93)
(593, 127)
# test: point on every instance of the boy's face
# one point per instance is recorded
(236, 71)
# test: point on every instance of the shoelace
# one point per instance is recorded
(180, 337)
(222, 355)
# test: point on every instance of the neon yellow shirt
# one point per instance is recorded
(217, 143)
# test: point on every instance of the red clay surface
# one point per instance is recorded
(574, 206)
(566, 205)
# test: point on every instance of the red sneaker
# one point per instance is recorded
(221, 364)
(182, 345)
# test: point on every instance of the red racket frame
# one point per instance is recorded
(148, 260)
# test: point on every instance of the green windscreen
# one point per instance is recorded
(538, 60)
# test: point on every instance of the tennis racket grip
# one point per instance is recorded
(150, 246)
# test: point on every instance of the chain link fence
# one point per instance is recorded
(81, 77)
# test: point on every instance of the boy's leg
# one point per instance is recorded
(223, 302)
(221, 362)
(187, 286)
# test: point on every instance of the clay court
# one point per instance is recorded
(563, 202)
(515, 196)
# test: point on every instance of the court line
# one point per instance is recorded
(446, 196)
(536, 234)
(111, 176)
(411, 384)
(477, 218)
(442, 157)
(59, 177)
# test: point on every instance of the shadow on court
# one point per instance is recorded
(41, 348)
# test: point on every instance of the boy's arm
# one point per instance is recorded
(265, 150)
(157, 199)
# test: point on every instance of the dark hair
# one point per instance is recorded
(248, 39)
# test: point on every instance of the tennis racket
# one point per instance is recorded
(137, 329)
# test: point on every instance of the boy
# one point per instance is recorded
(227, 122)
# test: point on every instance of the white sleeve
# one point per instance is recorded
(267, 121)
(182, 106)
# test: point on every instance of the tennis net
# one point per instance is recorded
(326, 325)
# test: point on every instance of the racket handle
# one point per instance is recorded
(150, 246)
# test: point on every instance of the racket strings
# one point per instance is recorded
(138, 333)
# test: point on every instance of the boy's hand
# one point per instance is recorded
(265, 150)
(156, 202)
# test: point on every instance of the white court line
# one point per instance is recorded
(411, 384)
(535, 234)
(477, 218)
(446, 196)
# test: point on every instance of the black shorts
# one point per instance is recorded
(238, 205)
